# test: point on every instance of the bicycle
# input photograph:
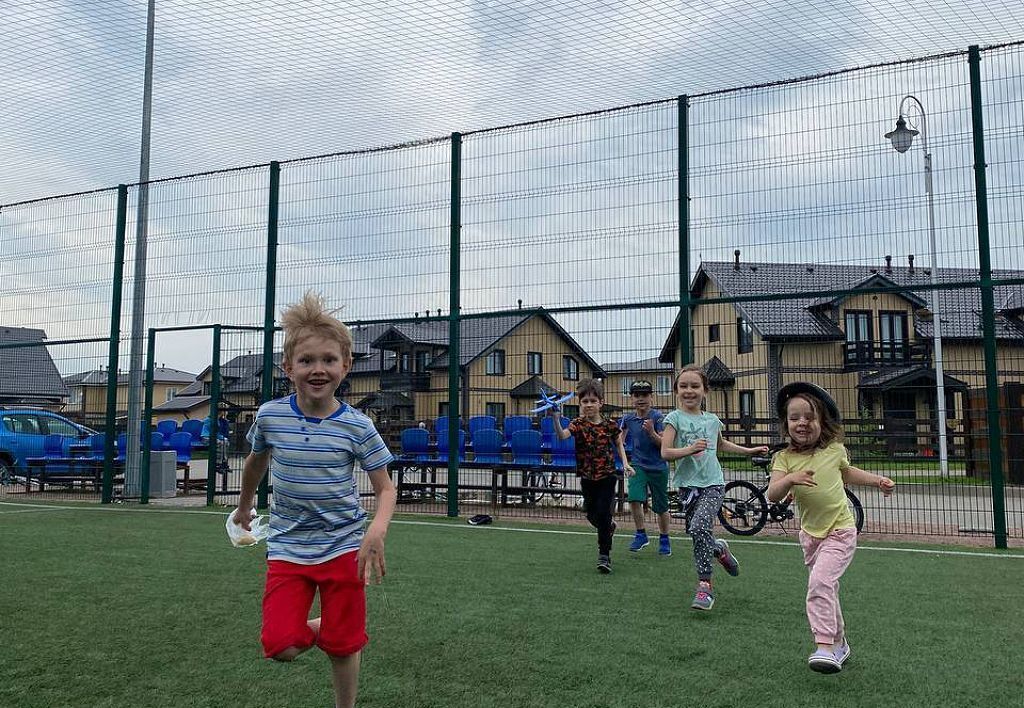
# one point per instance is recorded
(538, 482)
(745, 508)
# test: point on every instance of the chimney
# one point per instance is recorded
(910, 259)
(736, 262)
(520, 301)
(888, 265)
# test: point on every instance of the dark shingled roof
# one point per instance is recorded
(97, 377)
(625, 367)
(886, 379)
(28, 374)
(181, 403)
(531, 388)
(717, 372)
(805, 318)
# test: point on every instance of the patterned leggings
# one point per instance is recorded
(701, 505)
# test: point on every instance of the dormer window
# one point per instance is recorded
(496, 363)
(859, 339)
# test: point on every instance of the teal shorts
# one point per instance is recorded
(654, 480)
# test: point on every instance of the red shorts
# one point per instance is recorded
(289, 595)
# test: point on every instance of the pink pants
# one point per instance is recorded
(827, 559)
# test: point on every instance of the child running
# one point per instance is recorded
(644, 427)
(596, 436)
(814, 469)
(693, 437)
(317, 542)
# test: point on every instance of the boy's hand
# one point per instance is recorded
(648, 426)
(243, 516)
(886, 485)
(628, 470)
(804, 479)
(370, 560)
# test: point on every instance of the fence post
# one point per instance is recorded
(267, 380)
(147, 419)
(211, 451)
(454, 399)
(995, 442)
(110, 429)
(683, 177)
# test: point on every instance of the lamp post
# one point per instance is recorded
(901, 137)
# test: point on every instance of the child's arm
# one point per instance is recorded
(370, 560)
(676, 453)
(782, 483)
(727, 446)
(252, 472)
(620, 447)
(561, 432)
(855, 475)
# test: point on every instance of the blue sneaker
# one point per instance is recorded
(664, 546)
(639, 541)
(727, 559)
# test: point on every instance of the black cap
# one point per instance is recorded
(798, 387)
(641, 386)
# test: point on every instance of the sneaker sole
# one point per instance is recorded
(702, 607)
(733, 570)
(846, 657)
(824, 666)
(604, 569)
(664, 555)
(639, 548)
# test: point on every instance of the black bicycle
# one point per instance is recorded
(745, 508)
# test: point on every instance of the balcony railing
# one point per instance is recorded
(405, 381)
(879, 354)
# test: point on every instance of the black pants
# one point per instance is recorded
(598, 501)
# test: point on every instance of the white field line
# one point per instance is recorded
(25, 508)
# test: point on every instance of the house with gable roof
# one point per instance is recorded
(28, 376)
(873, 352)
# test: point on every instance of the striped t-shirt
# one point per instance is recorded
(315, 513)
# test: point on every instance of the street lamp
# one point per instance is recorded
(901, 137)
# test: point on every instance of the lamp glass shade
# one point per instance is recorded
(902, 136)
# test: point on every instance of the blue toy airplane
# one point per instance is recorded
(548, 401)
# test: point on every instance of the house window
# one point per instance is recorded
(495, 410)
(403, 361)
(664, 385)
(171, 393)
(859, 345)
(892, 336)
(747, 412)
(714, 333)
(421, 360)
(442, 409)
(534, 363)
(627, 383)
(570, 369)
(744, 336)
(76, 396)
(496, 363)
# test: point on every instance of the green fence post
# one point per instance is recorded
(147, 418)
(683, 177)
(211, 460)
(454, 368)
(267, 380)
(988, 316)
(110, 445)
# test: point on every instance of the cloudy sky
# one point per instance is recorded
(779, 171)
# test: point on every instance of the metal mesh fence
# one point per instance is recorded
(769, 234)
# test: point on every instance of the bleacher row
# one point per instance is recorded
(481, 442)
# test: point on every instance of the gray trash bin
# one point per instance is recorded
(163, 474)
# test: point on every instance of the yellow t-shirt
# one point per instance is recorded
(823, 507)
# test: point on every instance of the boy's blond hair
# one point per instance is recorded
(309, 317)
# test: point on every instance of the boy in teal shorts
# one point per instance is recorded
(644, 427)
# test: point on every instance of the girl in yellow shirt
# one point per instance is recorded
(814, 469)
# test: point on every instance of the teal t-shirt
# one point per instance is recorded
(704, 469)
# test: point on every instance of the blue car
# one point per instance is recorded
(22, 432)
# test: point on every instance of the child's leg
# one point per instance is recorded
(636, 487)
(658, 484)
(600, 513)
(345, 677)
(287, 597)
(702, 520)
(827, 559)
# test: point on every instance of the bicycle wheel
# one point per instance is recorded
(533, 487)
(857, 509)
(744, 509)
(556, 484)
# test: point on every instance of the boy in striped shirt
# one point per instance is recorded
(310, 441)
